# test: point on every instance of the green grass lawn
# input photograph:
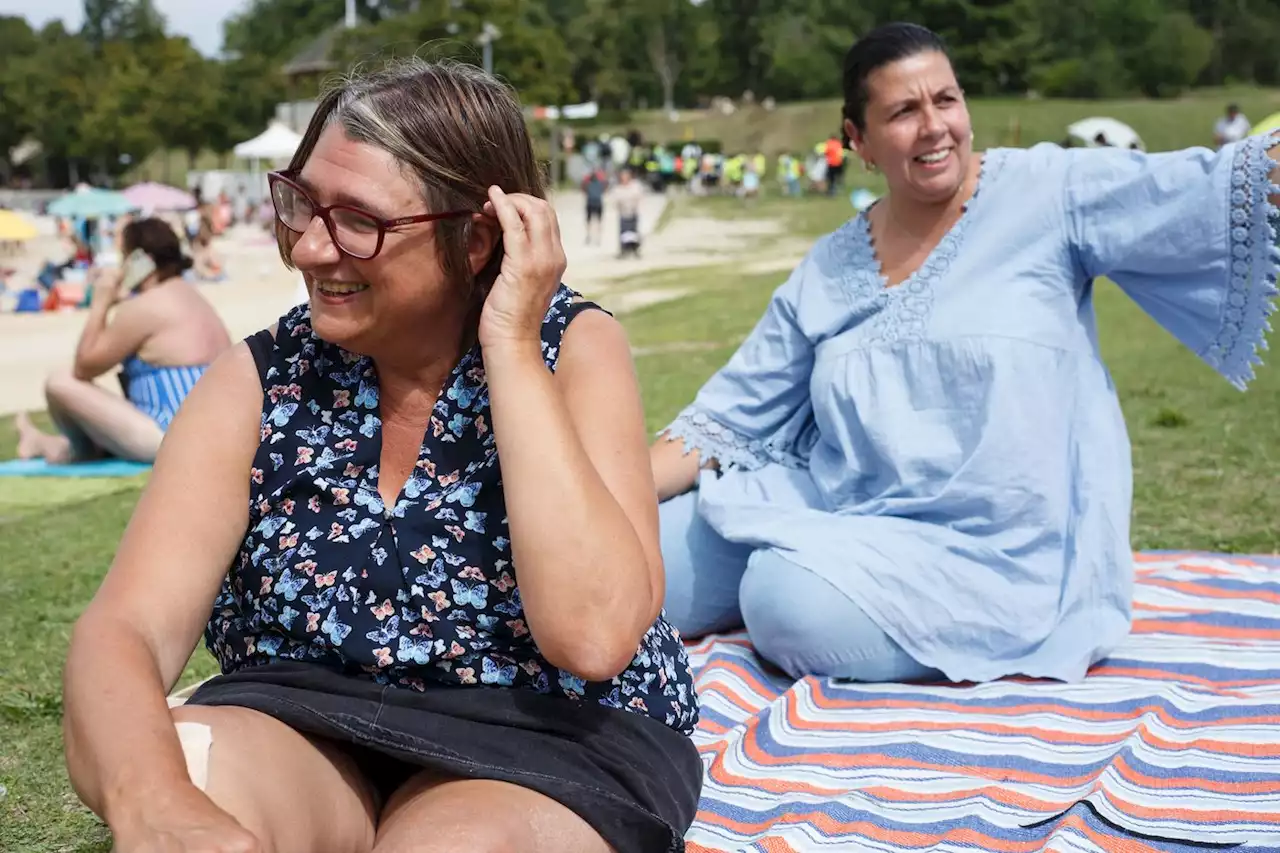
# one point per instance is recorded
(1206, 459)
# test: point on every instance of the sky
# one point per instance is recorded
(198, 20)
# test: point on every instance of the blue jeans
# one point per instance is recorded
(795, 618)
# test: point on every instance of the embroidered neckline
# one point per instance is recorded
(901, 312)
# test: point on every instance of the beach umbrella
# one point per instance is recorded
(1268, 124)
(1100, 131)
(159, 198)
(15, 229)
(91, 203)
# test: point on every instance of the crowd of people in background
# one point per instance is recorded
(709, 171)
(67, 282)
(617, 170)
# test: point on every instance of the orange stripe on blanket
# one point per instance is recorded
(1110, 843)
(1162, 675)
(865, 829)
(876, 761)
(732, 696)
(827, 703)
(1218, 786)
(744, 674)
(1213, 632)
(1200, 590)
(991, 792)
(1164, 814)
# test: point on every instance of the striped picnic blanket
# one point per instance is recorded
(1172, 744)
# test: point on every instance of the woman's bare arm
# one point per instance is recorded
(580, 495)
(132, 642)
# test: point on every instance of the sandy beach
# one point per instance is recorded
(258, 288)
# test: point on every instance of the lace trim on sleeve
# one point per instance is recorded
(1255, 261)
(714, 440)
(732, 450)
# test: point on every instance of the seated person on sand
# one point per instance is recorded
(924, 471)
(162, 334)
(415, 521)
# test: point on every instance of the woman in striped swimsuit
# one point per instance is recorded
(162, 334)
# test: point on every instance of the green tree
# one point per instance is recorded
(118, 119)
(184, 97)
(277, 29)
(249, 89)
(123, 20)
(530, 54)
(805, 45)
(18, 42)
(1175, 54)
(57, 89)
(595, 35)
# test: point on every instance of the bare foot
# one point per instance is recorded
(30, 445)
(35, 444)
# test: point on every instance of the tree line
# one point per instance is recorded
(122, 87)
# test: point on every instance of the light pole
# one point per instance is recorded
(488, 35)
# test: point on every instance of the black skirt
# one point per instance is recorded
(633, 779)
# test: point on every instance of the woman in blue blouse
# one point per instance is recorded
(923, 470)
(423, 649)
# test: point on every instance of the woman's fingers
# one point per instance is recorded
(537, 228)
(537, 216)
(513, 230)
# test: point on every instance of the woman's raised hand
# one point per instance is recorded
(533, 263)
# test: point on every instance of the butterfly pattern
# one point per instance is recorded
(420, 593)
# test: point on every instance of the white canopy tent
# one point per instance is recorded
(277, 142)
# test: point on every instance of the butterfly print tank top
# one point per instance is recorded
(420, 594)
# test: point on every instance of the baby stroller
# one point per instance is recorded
(629, 237)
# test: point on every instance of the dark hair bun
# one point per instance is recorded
(882, 46)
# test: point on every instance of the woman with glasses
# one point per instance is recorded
(422, 647)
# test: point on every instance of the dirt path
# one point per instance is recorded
(259, 289)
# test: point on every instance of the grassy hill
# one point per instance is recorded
(1163, 125)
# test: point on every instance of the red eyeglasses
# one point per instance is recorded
(355, 232)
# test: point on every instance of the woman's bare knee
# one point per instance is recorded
(435, 816)
(61, 384)
(292, 793)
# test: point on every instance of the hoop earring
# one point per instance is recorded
(868, 166)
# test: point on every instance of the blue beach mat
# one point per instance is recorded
(97, 468)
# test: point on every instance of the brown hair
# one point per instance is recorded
(157, 239)
(455, 129)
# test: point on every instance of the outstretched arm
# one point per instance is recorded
(1188, 235)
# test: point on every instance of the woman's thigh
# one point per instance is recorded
(112, 423)
(297, 795)
(429, 814)
(703, 569)
(802, 623)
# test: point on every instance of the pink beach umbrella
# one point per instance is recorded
(159, 198)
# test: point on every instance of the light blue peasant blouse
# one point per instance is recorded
(950, 452)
